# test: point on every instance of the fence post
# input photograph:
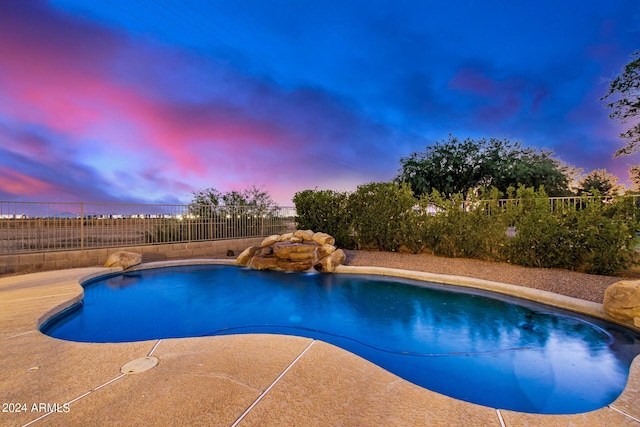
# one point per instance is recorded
(188, 222)
(82, 226)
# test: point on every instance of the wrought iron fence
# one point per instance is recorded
(38, 227)
(50, 226)
(556, 204)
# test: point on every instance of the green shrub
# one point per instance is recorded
(590, 235)
(413, 230)
(465, 228)
(380, 213)
(605, 235)
(543, 238)
(326, 211)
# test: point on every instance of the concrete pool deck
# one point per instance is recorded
(244, 380)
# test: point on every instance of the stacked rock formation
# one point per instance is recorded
(299, 251)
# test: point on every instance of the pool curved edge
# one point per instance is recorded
(627, 399)
(59, 308)
(98, 272)
(577, 305)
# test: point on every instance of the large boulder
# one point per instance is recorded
(301, 256)
(305, 235)
(294, 265)
(323, 239)
(268, 241)
(286, 237)
(283, 249)
(325, 250)
(622, 301)
(263, 263)
(329, 263)
(266, 251)
(244, 259)
(123, 259)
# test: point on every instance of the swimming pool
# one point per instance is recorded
(476, 346)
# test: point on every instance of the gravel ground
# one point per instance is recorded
(578, 285)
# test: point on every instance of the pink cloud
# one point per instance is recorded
(108, 107)
(19, 184)
(78, 98)
(56, 79)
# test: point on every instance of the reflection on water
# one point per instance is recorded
(491, 350)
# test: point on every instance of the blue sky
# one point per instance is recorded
(149, 100)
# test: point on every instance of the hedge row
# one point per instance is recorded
(593, 236)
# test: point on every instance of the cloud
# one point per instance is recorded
(15, 184)
(99, 103)
(195, 121)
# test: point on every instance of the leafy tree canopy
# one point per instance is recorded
(634, 176)
(625, 90)
(457, 166)
(250, 201)
(252, 196)
(606, 183)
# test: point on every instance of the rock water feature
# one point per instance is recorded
(299, 251)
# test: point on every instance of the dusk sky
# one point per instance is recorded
(149, 100)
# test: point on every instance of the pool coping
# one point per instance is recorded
(300, 377)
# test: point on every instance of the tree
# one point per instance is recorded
(626, 90)
(606, 183)
(634, 177)
(207, 197)
(252, 196)
(250, 201)
(450, 167)
(216, 215)
(456, 166)
(247, 212)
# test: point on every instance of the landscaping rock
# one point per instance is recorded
(282, 250)
(294, 265)
(299, 251)
(264, 251)
(245, 257)
(268, 241)
(306, 235)
(325, 250)
(329, 263)
(286, 236)
(123, 259)
(302, 256)
(323, 239)
(622, 300)
(263, 263)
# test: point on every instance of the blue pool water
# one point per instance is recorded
(472, 345)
